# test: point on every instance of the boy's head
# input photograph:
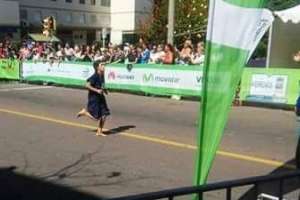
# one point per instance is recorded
(99, 67)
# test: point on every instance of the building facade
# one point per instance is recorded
(79, 21)
(9, 19)
(126, 16)
(82, 21)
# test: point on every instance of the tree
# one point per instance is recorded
(190, 20)
(154, 29)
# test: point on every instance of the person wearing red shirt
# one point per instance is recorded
(2, 53)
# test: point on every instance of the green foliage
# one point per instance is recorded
(190, 20)
(155, 28)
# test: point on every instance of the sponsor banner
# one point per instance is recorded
(272, 85)
(155, 80)
(262, 85)
(60, 73)
(9, 69)
(268, 88)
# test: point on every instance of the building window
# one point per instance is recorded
(53, 14)
(68, 17)
(82, 18)
(105, 3)
(93, 2)
(24, 14)
(68, 1)
(37, 16)
(82, 1)
(94, 18)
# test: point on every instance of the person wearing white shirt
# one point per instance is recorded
(156, 56)
(198, 56)
(69, 52)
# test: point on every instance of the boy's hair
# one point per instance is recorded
(95, 65)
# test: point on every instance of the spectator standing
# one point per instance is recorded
(152, 53)
(198, 56)
(98, 56)
(51, 56)
(2, 53)
(131, 57)
(296, 57)
(60, 54)
(145, 55)
(36, 56)
(118, 56)
(40, 48)
(88, 55)
(69, 52)
(78, 53)
(156, 57)
(24, 53)
(139, 52)
(185, 55)
(168, 58)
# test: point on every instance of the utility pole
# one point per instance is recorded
(171, 19)
(104, 32)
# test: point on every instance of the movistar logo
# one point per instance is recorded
(7, 65)
(111, 75)
(199, 79)
(148, 77)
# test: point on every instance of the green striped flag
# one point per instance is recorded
(234, 30)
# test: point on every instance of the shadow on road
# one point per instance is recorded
(15, 186)
(119, 129)
(272, 188)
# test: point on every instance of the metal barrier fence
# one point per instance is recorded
(228, 186)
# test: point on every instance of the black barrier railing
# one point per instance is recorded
(228, 186)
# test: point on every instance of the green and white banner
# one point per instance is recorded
(234, 30)
(9, 69)
(258, 84)
(155, 79)
(60, 73)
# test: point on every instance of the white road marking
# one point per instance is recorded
(25, 88)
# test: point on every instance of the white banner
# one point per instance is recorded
(271, 86)
(57, 70)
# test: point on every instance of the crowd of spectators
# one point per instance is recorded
(140, 53)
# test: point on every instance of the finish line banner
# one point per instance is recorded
(9, 69)
(155, 79)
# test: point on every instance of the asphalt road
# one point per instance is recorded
(152, 145)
